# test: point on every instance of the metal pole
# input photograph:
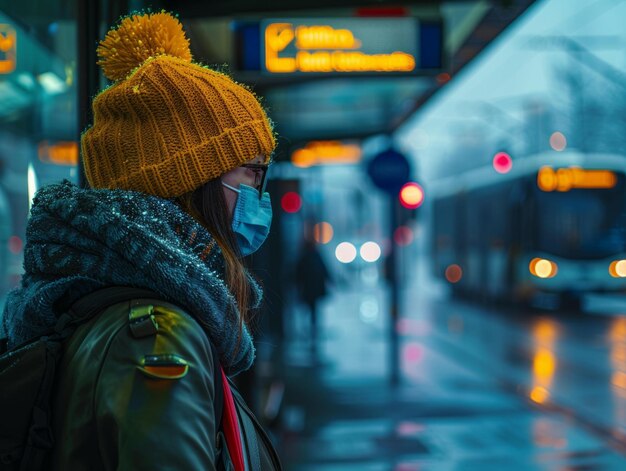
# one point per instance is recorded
(394, 298)
(88, 75)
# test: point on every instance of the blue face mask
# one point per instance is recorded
(251, 218)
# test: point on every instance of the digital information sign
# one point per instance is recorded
(340, 45)
(566, 179)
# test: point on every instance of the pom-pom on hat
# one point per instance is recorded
(167, 125)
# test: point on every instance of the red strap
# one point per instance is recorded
(230, 426)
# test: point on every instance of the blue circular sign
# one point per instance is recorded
(389, 170)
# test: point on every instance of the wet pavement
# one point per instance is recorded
(482, 388)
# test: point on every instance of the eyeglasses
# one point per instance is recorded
(260, 176)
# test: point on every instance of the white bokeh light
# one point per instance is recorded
(370, 251)
(369, 310)
(558, 141)
(345, 252)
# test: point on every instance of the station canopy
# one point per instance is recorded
(342, 70)
(327, 70)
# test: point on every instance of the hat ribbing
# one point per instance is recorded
(168, 126)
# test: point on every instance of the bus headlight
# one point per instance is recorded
(542, 268)
(617, 269)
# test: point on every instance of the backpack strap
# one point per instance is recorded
(252, 444)
(94, 303)
(40, 437)
(254, 431)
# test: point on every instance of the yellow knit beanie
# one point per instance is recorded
(167, 125)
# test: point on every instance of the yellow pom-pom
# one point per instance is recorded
(139, 37)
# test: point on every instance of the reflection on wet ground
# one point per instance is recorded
(483, 388)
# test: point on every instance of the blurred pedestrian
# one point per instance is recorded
(176, 162)
(312, 280)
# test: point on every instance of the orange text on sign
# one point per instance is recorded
(338, 52)
(565, 179)
(8, 48)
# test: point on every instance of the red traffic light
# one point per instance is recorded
(411, 195)
(291, 202)
(502, 162)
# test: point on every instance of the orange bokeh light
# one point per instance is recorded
(323, 232)
(542, 268)
(539, 394)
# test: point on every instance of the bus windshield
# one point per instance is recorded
(582, 223)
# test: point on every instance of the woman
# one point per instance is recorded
(176, 162)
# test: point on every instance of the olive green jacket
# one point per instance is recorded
(113, 411)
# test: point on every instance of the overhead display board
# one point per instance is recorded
(340, 46)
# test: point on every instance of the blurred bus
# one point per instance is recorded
(553, 227)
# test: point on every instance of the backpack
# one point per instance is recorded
(27, 378)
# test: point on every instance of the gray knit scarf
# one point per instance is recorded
(80, 240)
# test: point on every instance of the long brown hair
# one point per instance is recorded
(208, 206)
